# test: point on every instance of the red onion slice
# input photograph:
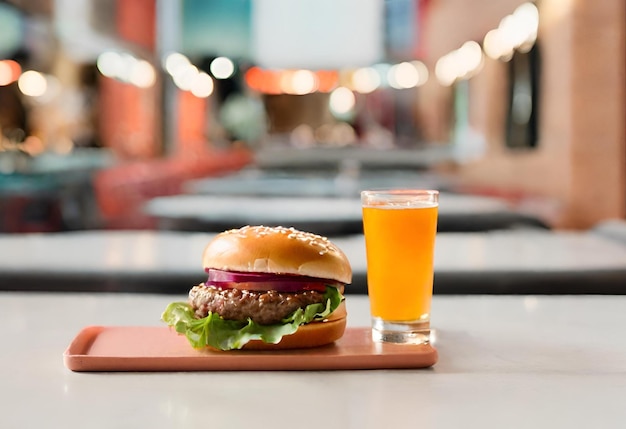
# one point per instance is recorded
(266, 281)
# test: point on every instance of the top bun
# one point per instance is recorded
(277, 250)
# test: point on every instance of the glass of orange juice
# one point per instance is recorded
(400, 226)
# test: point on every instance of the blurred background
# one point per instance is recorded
(200, 115)
(107, 104)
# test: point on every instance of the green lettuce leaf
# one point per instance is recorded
(232, 334)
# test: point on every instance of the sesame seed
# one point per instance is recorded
(322, 243)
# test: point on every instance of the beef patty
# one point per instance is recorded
(263, 307)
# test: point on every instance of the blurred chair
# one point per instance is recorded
(29, 203)
(30, 213)
(121, 191)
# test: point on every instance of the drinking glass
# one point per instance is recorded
(400, 226)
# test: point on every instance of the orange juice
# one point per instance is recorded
(400, 242)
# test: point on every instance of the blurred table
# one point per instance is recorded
(322, 215)
(499, 262)
(348, 181)
(317, 158)
(80, 161)
(514, 362)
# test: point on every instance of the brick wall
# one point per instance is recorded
(576, 176)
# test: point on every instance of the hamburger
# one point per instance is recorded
(267, 288)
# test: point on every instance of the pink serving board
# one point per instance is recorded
(143, 348)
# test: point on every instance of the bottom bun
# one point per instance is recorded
(313, 334)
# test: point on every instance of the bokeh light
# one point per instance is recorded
(185, 76)
(175, 63)
(222, 68)
(142, 74)
(303, 82)
(32, 83)
(110, 64)
(9, 72)
(366, 80)
(403, 76)
(126, 68)
(201, 85)
(342, 101)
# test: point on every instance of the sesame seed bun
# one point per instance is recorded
(277, 250)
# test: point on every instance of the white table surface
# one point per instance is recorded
(505, 362)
